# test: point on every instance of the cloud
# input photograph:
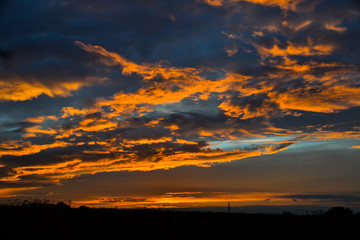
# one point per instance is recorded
(164, 85)
(299, 50)
(127, 155)
(284, 4)
(324, 133)
(327, 197)
(249, 110)
(135, 131)
(316, 99)
(15, 89)
(356, 147)
(21, 148)
(214, 2)
(189, 198)
(231, 51)
(302, 25)
(334, 27)
(180, 199)
(14, 192)
(188, 82)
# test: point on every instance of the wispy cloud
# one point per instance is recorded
(199, 199)
(284, 4)
(16, 89)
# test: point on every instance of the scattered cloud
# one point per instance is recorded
(15, 89)
(186, 199)
(356, 147)
(326, 197)
(335, 27)
(21, 148)
(14, 192)
(159, 86)
(284, 4)
(116, 134)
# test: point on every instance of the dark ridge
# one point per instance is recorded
(41, 219)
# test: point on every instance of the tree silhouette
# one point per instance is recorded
(339, 212)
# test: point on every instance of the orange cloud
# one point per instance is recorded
(179, 83)
(14, 192)
(227, 133)
(21, 148)
(183, 141)
(95, 125)
(302, 25)
(322, 99)
(331, 92)
(274, 53)
(172, 127)
(41, 119)
(214, 2)
(148, 71)
(16, 89)
(322, 135)
(38, 129)
(188, 82)
(199, 199)
(85, 126)
(293, 65)
(148, 141)
(231, 51)
(71, 111)
(246, 111)
(333, 26)
(154, 123)
(130, 162)
(299, 50)
(284, 4)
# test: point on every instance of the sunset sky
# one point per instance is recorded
(180, 103)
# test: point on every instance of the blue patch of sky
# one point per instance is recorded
(247, 143)
(323, 145)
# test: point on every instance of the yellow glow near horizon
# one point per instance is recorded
(201, 199)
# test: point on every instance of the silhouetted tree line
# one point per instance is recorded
(34, 218)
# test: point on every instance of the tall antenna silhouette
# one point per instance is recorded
(228, 207)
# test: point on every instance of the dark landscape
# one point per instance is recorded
(40, 219)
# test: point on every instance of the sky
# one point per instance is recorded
(192, 103)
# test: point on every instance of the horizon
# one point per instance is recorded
(300, 210)
(181, 104)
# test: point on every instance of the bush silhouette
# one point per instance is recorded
(30, 202)
(84, 208)
(62, 205)
(339, 212)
